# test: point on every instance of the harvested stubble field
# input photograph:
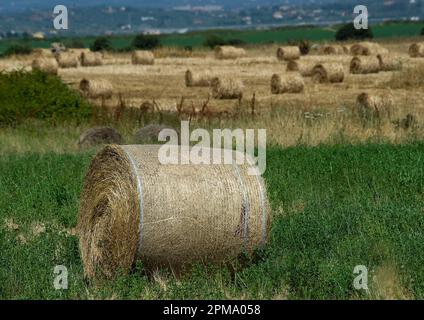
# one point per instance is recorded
(327, 174)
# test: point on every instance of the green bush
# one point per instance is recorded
(146, 42)
(213, 40)
(422, 31)
(35, 94)
(348, 31)
(18, 49)
(101, 44)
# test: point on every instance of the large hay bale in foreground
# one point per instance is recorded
(389, 62)
(99, 135)
(328, 72)
(144, 57)
(98, 88)
(200, 79)
(375, 105)
(133, 207)
(229, 52)
(287, 83)
(305, 68)
(48, 65)
(67, 60)
(416, 50)
(227, 88)
(367, 48)
(91, 59)
(288, 53)
(364, 65)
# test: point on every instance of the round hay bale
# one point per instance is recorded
(43, 53)
(99, 88)
(288, 83)
(227, 88)
(364, 65)
(91, 59)
(99, 135)
(367, 48)
(149, 134)
(305, 68)
(48, 65)
(416, 50)
(133, 207)
(389, 62)
(229, 52)
(67, 60)
(374, 105)
(334, 49)
(328, 72)
(142, 57)
(288, 53)
(201, 79)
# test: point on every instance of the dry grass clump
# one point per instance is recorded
(416, 50)
(412, 77)
(48, 65)
(99, 135)
(377, 106)
(229, 52)
(227, 88)
(91, 59)
(389, 62)
(364, 65)
(144, 57)
(200, 79)
(288, 53)
(328, 72)
(305, 68)
(367, 48)
(67, 60)
(98, 88)
(287, 83)
(334, 49)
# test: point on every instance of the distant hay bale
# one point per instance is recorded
(287, 83)
(375, 106)
(99, 135)
(305, 68)
(142, 57)
(288, 53)
(227, 88)
(149, 133)
(335, 49)
(201, 79)
(67, 60)
(367, 48)
(416, 50)
(43, 53)
(99, 88)
(389, 62)
(364, 65)
(328, 72)
(91, 59)
(48, 65)
(134, 208)
(229, 52)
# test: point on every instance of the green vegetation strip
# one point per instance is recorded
(335, 207)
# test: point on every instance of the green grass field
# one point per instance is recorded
(334, 207)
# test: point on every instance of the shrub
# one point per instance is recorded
(146, 42)
(101, 44)
(18, 49)
(38, 95)
(213, 40)
(348, 31)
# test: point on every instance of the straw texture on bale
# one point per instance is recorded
(67, 60)
(99, 135)
(328, 72)
(133, 207)
(305, 68)
(364, 65)
(91, 59)
(288, 53)
(416, 50)
(367, 49)
(143, 57)
(335, 49)
(98, 88)
(48, 65)
(229, 52)
(201, 79)
(227, 88)
(389, 62)
(287, 83)
(43, 53)
(374, 105)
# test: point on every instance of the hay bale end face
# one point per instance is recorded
(328, 73)
(389, 62)
(143, 57)
(288, 53)
(364, 65)
(367, 48)
(91, 59)
(288, 83)
(48, 65)
(99, 88)
(133, 207)
(416, 50)
(227, 88)
(305, 68)
(98, 136)
(201, 79)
